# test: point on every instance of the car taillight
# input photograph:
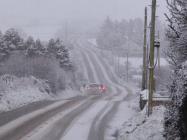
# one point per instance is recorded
(102, 88)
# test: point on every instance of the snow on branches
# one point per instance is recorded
(175, 121)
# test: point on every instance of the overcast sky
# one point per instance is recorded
(19, 12)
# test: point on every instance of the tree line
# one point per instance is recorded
(115, 34)
(29, 57)
(11, 41)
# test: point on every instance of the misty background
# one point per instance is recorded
(45, 18)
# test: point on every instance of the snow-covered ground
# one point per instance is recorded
(126, 110)
(141, 127)
(16, 92)
(137, 125)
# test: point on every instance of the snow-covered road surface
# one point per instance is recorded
(6, 117)
(83, 118)
(119, 92)
(56, 128)
(16, 129)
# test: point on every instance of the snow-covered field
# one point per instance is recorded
(136, 62)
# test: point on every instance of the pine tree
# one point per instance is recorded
(30, 46)
(4, 52)
(104, 39)
(51, 47)
(62, 55)
(12, 40)
(34, 48)
(40, 49)
(56, 48)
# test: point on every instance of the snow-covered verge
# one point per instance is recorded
(126, 110)
(141, 127)
(16, 92)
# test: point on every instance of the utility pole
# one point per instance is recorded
(158, 53)
(144, 69)
(66, 32)
(118, 65)
(151, 67)
(127, 66)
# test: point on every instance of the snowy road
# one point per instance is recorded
(119, 92)
(80, 118)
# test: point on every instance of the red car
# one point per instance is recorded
(95, 88)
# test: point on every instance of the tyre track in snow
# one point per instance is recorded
(23, 128)
(81, 66)
(60, 127)
(104, 72)
(113, 91)
(84, 69)
(98, 74)
(89, 70)
(97, 132)
(114, 77)
(101, 78)
(8, 116)
(110, 72)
